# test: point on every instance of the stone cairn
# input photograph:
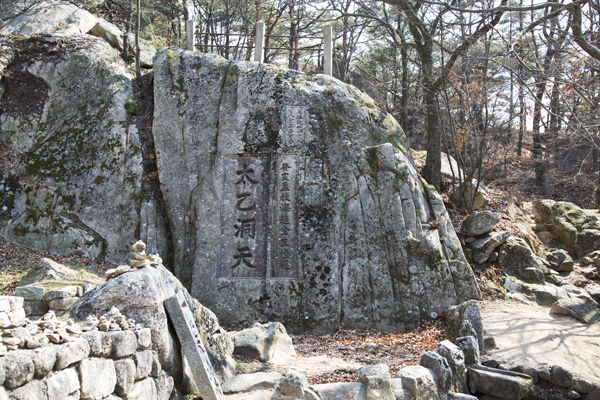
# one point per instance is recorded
(140, 260)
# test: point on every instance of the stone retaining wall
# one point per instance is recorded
(92, 365)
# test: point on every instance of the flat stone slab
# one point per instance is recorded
(581, 308)
(529, 335)
(251, 382)
(193, 348)
(500, 383)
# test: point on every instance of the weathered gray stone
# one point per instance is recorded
(324, 146)
(561, 377)
(449, 167)
(500, 383)
(583, 386)
(470, 348)
(98, 378)
(560, 260)
(456, 361)
(482, 248)
(63, 384)
(49, 17)
(100, 343)
(125, 370)
(339, 391)
(377, 382)
(143, 364)
(35, 307)
(70, 353)
(144, 337)
(44, 359)
(30, 292)
(143, 390)
(109, 32)
(19, 369)
(264, 342)
(439, 365)
(11, 303)
(62, 304)
(463, 318)
(293, 385)
(35, 390)
(460, 396)
(516, 256)
(472, 195)
(81, 181)
(164, 386)
(581, 308)
(547, 294)
(249, 382)
(481, 222)
(192, 346)
(140, 295)
(124, 343)
(419, 382)
(66, 291)
(577, 229)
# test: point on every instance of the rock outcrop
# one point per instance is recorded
(61, 18)
(293, 198)
(576, 229)
(71, 175)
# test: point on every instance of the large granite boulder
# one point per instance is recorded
(49, 17)
(71, 175)
(139, 294)
(577, 229)
(61, 18)
(293, 198)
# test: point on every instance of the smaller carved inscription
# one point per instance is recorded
(284, 262)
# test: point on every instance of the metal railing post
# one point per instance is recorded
(259, 42)
(190, 37)
(327, 51)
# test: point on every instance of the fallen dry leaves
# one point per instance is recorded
(367, 347)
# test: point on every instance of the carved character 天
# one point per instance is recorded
(242, 256)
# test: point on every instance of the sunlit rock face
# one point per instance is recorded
(292, 198)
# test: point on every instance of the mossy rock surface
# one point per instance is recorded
(293, 198)
(79, 164)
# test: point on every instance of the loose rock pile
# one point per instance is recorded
(140, 260)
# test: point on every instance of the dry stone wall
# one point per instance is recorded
(79, 362)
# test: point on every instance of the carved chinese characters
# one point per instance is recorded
(245, 227)
(285, 243)
(244, 210)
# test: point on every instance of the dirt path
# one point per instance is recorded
(529, 335)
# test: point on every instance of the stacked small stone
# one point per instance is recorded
(32, 334)
(140, 260)
(112, 321)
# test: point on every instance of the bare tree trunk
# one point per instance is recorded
(138, 70)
